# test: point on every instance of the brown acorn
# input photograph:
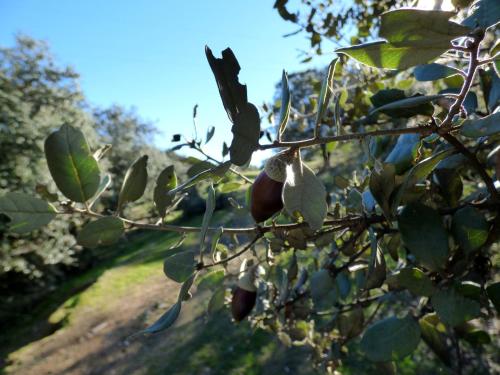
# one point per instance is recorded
(245, 294)
(267, 188)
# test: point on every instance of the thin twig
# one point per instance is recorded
(236, 255)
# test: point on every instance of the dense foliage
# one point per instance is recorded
(398, 250)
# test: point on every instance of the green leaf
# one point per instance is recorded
(216, 172)
(286, 102)
(71, 164)
(382, 54)
(412, 279)
(453, 308)
(324, 290)
(485, 126)
(404, 152)
(381, 185)
(470, 229)
(104, 231)
(209, 210)
(391, 339)
(326, 92)
(483, 13)
(166, 181)
(304, 195)
(418, 172)
(434, 338)
(351, 323)
(211, 280)
(246, 133)
(216, 302)
(134, 183)
(423, 233)
(179, 266)
(420, 28)
(433, 72)
(415, 105)
(198, 166)
(229, 187)
(166, 320)
(26, 213)
(493, 291)
(210, 134)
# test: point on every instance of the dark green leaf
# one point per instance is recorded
(71, 164)
(483, 13)
(101, 232)
(391, 339)
(351, 323)
(166, 181)
(453, 308)
(404, 152)
(415, 105)
(211, 280)
(216, 302)
(376, 268)
(423, 233)
(418, 172)
(382, 184)
(134, 182)
(26, 213)
(209, 210)
(179, 266)
(232, 92)
(485, 126)
(246, 133)
(470, 229)
(210, 134)
(493, 291)
(433, 72)
(324, 290)
(395, 103)
(470, 103)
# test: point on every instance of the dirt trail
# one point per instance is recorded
(95, 340)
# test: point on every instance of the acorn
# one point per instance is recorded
(244, 295)
(265, 199)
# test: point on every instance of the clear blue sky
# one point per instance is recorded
(150, 54)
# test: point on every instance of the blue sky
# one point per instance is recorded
(150, 54)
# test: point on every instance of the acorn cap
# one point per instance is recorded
(246, 280)
(275, 166)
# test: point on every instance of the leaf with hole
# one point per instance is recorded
(26, 213)
(71, 164)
